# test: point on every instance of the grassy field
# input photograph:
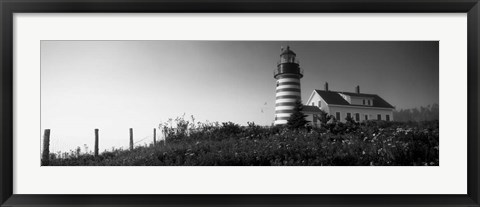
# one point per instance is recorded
(372, 143)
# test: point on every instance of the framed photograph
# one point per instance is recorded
(236, 103)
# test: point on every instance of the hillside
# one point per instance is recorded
(336, 144)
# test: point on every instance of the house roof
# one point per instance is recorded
(307, 108)
(334, 97)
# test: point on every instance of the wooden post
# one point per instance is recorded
(154, 136)
(165, 138)
(131, 138)
(46, 148)
(96, 142)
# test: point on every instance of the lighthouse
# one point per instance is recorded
(287, 75)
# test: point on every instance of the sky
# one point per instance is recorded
(117, 85)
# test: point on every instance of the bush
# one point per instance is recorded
(297, 118)
(230, 128)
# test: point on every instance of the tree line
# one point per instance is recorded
(428, 113)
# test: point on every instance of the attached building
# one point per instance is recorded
(359, 106)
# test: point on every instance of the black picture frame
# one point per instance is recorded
(9, 7)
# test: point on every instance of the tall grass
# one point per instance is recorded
(228, 144)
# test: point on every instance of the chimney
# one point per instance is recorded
(326, 86)
(357, 89)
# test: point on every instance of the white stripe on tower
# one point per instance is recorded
(288, 86)
(279, 122)
(285, 100)
(283, 115)
(287, 93)
(289, 80)
(278, 108)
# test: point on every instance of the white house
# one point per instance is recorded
(359, 106)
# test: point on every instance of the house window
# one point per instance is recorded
(337, 115)
(319, 104)
(387, 117)
(363, 101)
(369, 102)
(313, 103)
(366, 117)
(357, 117)
(349, 115)
(379, 117)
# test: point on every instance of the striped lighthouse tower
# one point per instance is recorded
(288, 76)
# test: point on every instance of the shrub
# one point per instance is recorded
(297, 118)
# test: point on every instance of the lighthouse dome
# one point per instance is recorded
(287, 51)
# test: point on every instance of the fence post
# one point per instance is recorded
(96, 142)
(165, 138)
(131, 138)
(46, 148)
(154, 136)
